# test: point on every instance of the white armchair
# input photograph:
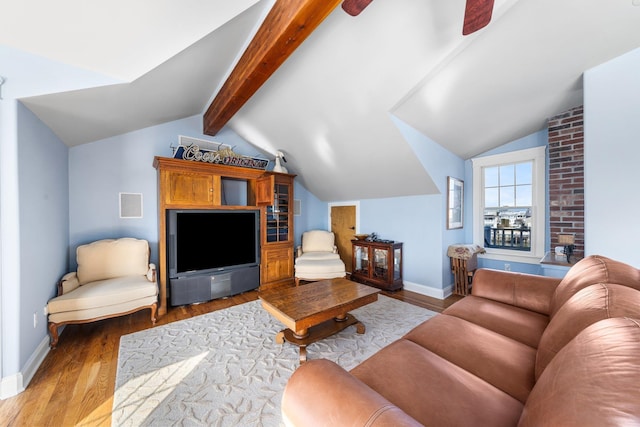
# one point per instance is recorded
(318, 258)
(114, 278)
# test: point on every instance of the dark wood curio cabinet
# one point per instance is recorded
(377, 264)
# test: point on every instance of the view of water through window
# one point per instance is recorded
(507, 206)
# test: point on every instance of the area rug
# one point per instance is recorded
(225, 369)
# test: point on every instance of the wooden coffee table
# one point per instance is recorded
(317, 310)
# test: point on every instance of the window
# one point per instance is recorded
(509, 204)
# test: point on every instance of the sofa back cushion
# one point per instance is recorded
(593, 381)
(317, 241)
(587, 306)
(591, 270)
(111, 258)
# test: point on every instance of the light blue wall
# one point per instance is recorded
(612, 150)
(44, 219)
(440, 164)
(409, 220)
(313, 213)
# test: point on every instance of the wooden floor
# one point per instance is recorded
(74, 385)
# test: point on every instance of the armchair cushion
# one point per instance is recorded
(110, 258)
(318, 241)
(317, 256)
(108, 292)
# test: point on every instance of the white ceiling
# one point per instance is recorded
(329, 106)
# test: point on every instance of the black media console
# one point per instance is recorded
(205, 287)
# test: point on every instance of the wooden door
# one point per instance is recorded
(343, 225)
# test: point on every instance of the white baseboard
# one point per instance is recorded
(428, 290)
(17, 383)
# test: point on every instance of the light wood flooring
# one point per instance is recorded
(74, 385)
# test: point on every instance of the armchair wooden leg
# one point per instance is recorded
(53, 330)
(154, 311)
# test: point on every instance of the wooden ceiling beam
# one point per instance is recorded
(286, 26)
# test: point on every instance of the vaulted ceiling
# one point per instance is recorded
(329, 107)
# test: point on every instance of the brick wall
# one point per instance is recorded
(566, 177)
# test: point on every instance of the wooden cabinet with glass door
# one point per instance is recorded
(377, 264)
(274, 191)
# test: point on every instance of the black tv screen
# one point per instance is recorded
(201, 241)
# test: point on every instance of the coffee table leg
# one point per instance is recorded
(304, 337)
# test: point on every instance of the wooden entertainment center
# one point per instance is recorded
(184, 184)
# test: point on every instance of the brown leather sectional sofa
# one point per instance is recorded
(522, 350)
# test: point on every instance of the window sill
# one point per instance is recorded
(507, 255)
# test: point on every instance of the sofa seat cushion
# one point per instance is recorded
(319, 269)
(433, 390)
(587, 306)
(592, 381)
(103, 293)
(519, 324)
(110, 258)
(501, 361)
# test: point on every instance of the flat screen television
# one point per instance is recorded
(206, 241)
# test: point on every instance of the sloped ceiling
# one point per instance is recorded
(329, 106)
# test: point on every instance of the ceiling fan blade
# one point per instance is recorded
(477, 15)
(354, 7)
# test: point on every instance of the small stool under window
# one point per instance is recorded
(464, 262)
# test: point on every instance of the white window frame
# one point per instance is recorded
(539, 206)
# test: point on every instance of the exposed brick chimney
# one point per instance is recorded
(566, 177)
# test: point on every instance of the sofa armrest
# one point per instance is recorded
(68, 283)
(298, 251)
(528, 291)
(151, 273)
(321, 393)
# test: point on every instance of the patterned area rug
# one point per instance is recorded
(225, 368)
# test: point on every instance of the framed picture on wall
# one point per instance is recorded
(455, 203)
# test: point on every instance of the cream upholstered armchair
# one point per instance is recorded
(114, 278)
(318, 258)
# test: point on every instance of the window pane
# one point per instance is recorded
(524, 173)
(491, 197)
(507, 175)
(523, 195)
(507, 196)
(491, 177)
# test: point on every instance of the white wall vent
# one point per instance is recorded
(130, 205)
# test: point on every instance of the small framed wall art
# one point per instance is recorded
(455, 203)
